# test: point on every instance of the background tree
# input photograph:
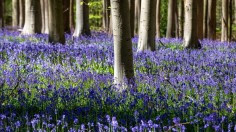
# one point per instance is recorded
(106, 15)
(211, 21)
(200, 18)
(46, 16)
(1, 14)
(224, 21)
(132, 11)
(147, 30)
(15, 13)
(21, 13)
(32, 17)
(123, 55)
(82, 18)
(66, 15)
(190, 27)
(158, 18)
(170, 33)
(181, 18)
(137, 15)
(56, 29)
(72, 18)
(205, 18)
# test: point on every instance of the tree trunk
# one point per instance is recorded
(230, 19)
(110, 25)
(123, 55)
(132, 11)
(170, 33)
(32, 17)
(200, 19)
(211, 19)
(137, 15)
(190, 27)
(82, 18)
(147, 30)
(72, 22)
(56, 29)
(1, 14)
(106, 15)
(176, 18)
(224, 21)
(181, 18)
(205, 18)
(158, 18)
(46, 17)
(15, 13)
(42, 4)
(66, 15)
(22, 13)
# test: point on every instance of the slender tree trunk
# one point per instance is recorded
(158, 18)
(66, 15)
(211, 19)
(137, 15)
(46, 17)
(110, 25)
(200, 18)
(170, 33)
(72, 18)
(205, 18)
(42, 4)
(1, 14)
(234, 9)
(82, 18)
(106, 15)
(224, 21)
(123, 55)
(132, 11)
(176, 20)
(181, 18)
(190, 27)
(22, 13)
(147, 30)
(56, 29)
(230, 19)
(15, 13)
(32, 17)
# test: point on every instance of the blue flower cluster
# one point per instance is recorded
(46, 87)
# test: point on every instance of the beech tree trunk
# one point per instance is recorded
(200, 18)
(211, 22)
(205, 18)
(158, 18)
(123, 55)
(1, 14)
(22, 13)
(15, 13)
(82, 18)
(106, 15)
(190, 27)
(181, 18)
(132, 11)
(137, 15)
(170, 33)
(66, 15)
(56, 27)
(224, 21)
(46, 17)
(32, 17)
(147, 30)
(42, 4)
(72, 18)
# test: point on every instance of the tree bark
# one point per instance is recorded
(123, 55)
(66, 15)
(158, 18)
(106, 15)
(230, 19)
(132, 11)
(42, 4)
(137, 15)
(190, 27)
(1, 14)
(181, 18)
(22, 13)
(170, 33)
(211, 19)
(15, 13)
(224, 21)
(147, 30)
(82, 18)
(32, 17)
(56, 29)
(46, 17)
(200, 19)
(205, 18)
(72, 18)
